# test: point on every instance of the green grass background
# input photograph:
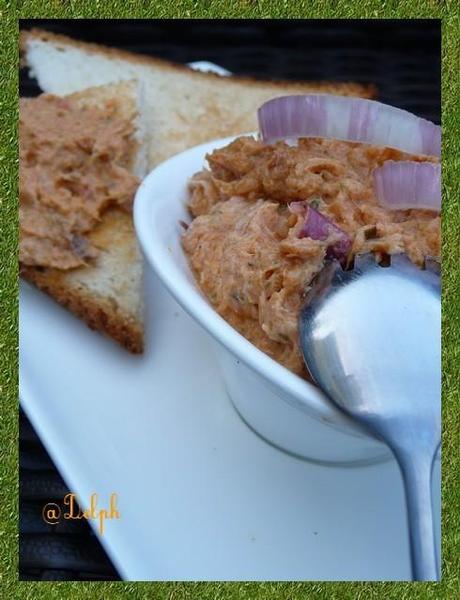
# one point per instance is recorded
(10, 12)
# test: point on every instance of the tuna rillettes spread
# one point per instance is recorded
(243, 244)
(73, 165)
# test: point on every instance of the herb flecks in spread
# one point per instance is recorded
(248, 250)
(73, 166)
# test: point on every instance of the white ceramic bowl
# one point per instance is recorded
(283, 408)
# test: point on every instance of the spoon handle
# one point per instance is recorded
(416, 469)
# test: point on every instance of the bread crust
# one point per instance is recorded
(344, 88)
(95, 311)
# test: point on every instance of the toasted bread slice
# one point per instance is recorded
(184, 107)
(107, 294)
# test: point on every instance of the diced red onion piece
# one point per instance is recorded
(318, 227)
(347, 118)
(402, 185)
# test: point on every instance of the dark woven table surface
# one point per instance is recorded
(402, 58)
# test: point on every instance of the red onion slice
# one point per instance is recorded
(318, 227)
(347, 118)
(402, 185)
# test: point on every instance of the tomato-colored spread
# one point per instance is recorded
(73, 165)
(243, 244)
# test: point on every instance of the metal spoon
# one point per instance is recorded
(371, 338)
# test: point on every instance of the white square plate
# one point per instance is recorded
(200, 496)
